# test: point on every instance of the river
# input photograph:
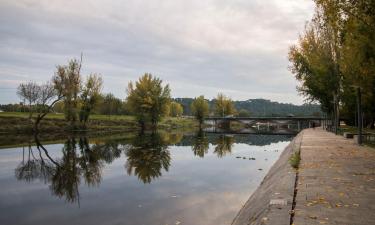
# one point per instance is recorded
(136, 179)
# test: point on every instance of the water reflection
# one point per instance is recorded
(224, 145)
(147, 156)
(78, 161)
(200, 144)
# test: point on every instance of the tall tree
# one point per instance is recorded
(224, 106)
(148, 99)
(90, 96)
(200, 109)
(67, 80)
(175, 109)
(314, 65)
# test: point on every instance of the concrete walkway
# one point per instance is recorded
(336, 181)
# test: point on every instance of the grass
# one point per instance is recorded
(294, 159)
(17, 122)
(61, 116)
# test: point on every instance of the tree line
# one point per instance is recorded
(78, 96)
(334, 60)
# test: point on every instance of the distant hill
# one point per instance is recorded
(262, 107)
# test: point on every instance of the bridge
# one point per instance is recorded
(268, 121)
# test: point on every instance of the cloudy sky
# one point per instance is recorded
(238, 47)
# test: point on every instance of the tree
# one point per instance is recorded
(67, 80)
(29, 92)
(199, 108)
(148, 99)
(90, 96)
(48, 96)
(314, 64)
(335, 60)
(244, 113)
(175, 109)
(43, 97)
(224, 105)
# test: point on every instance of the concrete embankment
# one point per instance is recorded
(272, 202)
(334, 184)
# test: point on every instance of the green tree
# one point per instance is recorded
(224, 106)
(176, 109)
(200, 109)
(90, 96)
(314, 64)
(244, 113)
(67, 80)
(148, 99)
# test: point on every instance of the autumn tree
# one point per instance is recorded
(90, 96)
(148, 99)
(175, 109)
(67, 80)
(224, 105)
(334, 59)
(200, 109)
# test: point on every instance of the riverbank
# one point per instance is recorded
(334, 184)
(272, 201)
(18, 123)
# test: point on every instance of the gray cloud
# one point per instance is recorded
(199, 47)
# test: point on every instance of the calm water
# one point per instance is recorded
(134, 179)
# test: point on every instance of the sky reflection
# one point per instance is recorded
(152, 179)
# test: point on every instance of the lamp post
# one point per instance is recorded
(359, 114)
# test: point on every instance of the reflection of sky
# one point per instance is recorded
(195, 190)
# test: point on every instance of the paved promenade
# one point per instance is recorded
(336, 181)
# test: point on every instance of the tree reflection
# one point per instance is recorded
(200, 144)
(34, 167)
(147, 156)
(79, 161)
(224, 145)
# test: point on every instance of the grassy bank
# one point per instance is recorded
(16, 122)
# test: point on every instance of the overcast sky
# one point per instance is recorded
(237, 47)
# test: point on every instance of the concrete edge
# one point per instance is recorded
(272, 201)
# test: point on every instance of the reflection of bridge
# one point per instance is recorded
(250, 130)
(269, 121)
